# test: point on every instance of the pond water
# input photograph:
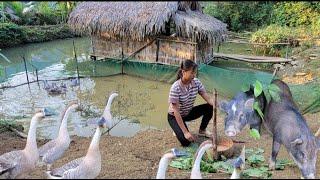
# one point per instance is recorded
(141, 104)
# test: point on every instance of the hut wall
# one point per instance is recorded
(204, 52)
(170, 52)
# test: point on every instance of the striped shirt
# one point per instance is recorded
(184, 95)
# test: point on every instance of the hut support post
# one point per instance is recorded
(158, 47)
(122, 57)
(214, 134)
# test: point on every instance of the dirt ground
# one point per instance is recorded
(138, 157)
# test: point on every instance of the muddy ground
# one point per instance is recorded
(138, 157)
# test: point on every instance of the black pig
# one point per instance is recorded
(282, 119)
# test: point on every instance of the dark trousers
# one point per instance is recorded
(204, 110)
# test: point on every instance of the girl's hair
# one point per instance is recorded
(186, 65)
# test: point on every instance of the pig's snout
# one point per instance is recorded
(231, 131)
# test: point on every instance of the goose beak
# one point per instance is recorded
(104, 123)
(179, 153)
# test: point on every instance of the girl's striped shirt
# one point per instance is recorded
(184, 95)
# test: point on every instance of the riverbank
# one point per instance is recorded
(12, 35)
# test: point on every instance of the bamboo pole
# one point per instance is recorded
(25, 67)
(75, 57)
(157, 53)
(214, 134)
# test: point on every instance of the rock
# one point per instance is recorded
(294, 62)
(280, 66)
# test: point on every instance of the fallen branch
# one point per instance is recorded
(18, 133)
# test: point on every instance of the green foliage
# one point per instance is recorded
(261, 172)
(1, 71)
(274, 91)
(255, 167)
(10, 33)
(17, 6)
(256, 159)
(241, 15)
(254, 133)
(295, 14)
(257, 88)
(273, 34)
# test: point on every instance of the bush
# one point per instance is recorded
(241, 15)
(294, 14)
(274, 34)
(10, 34)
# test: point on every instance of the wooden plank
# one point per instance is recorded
(255, 59)
(265, 44)
(178, 41)
(140, 49)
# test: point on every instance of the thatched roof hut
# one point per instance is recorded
(138, 21)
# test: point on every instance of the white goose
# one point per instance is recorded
(16, 164)
(239, 165)
(195, 172)
(165, 160)
(107, 111)
(89, 166)
(54, 149)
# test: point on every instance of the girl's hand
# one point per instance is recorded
(189, 136)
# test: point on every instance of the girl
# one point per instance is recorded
(182, 95)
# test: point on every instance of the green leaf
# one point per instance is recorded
(256, 173)
(274, 88)
(1, 71)
(282, 163)
(274, 92)
(245, 87)
(257, 88)
(256, 159)
(267, 94)
(257, 108)
(254, 133)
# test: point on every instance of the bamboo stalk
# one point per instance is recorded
(214, 134)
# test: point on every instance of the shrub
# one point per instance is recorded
(10, 34)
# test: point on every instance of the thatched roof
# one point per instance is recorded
(138, 20)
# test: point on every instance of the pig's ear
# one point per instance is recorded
(297, 141)
(248, 105)
(223, 106)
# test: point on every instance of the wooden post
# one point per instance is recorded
(37, 77)
(214, 134)
(122, 56)
(25, 67)
(75, 57)
(158, 47)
